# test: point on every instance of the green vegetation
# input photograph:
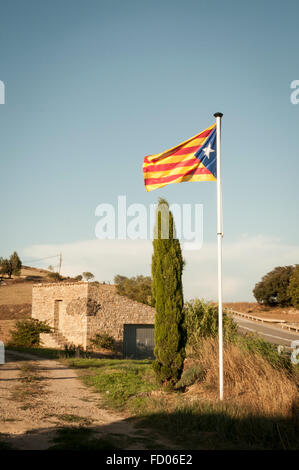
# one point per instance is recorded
(293, 289)
(27, 333)
(103, 340)
(203, 425)
(246, 421)
(55, 277)
(87, 276)
(273, 289)
(201, 320)
(137, 288)
(11, 266)
(123, 383)
(48, 353)
(30, 387)
(167, 293)
(80, 438)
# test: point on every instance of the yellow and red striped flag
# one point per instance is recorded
(192, 160)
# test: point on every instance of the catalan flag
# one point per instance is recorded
(192, 160)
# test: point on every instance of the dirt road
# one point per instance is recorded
(39, 396)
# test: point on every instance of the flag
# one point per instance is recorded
(192, 160)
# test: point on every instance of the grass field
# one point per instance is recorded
(260, 410)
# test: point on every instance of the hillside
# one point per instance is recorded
(16, 298)
(18, 290)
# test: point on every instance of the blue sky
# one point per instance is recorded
(92, 87)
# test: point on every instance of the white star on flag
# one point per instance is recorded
(207, 150)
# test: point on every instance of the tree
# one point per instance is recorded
(137, 288)
(11, 266)
(293, 289)
(272, 290)
(50, 268)
(55, 277)
(87, 276)
(167, 292)
(79, 277)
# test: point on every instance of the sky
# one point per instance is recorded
(93, 86)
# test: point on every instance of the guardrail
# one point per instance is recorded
(282, 323)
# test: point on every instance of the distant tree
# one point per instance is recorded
(167, 291)
(11, 266)
(87, 276)
(56, 277)
(16, 264)
(50, 268)
(293, 289)
(79, 277)
(136, 288)
(272, 290)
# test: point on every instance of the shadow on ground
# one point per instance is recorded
(158, 431)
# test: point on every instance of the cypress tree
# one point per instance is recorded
(167, 293)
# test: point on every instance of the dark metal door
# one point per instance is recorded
(139, 341)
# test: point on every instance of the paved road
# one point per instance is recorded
(272, 334)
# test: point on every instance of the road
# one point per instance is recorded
(272, 334)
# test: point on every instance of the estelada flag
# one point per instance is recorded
(192, 160)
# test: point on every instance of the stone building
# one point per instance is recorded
(77, 311)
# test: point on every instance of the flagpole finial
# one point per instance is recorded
(218, 115)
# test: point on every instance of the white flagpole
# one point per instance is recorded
(218, 117)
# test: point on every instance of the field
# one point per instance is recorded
(16, 298)
(260, 410)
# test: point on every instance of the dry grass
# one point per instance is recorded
(288, 313)
(16, 293)
(5, 328)
(250, 381)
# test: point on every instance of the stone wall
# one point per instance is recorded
(114, 311)
(80, 310)
(64, 307)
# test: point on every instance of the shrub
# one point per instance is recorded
(27, 333)
(293, 289)
(137, 288)
(201, 321)
(78, 278)
(55, 277)
(272, 290)
(103, 340)
(71, 350)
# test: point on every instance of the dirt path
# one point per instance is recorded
(39, 396)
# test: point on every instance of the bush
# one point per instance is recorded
(273, 290)
(137, 288)
(103, 340)
(27, 333)
(201, 321)
(293, 289)
(71, 350)
(55, 277)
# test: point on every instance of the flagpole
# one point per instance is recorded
(218, 117)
